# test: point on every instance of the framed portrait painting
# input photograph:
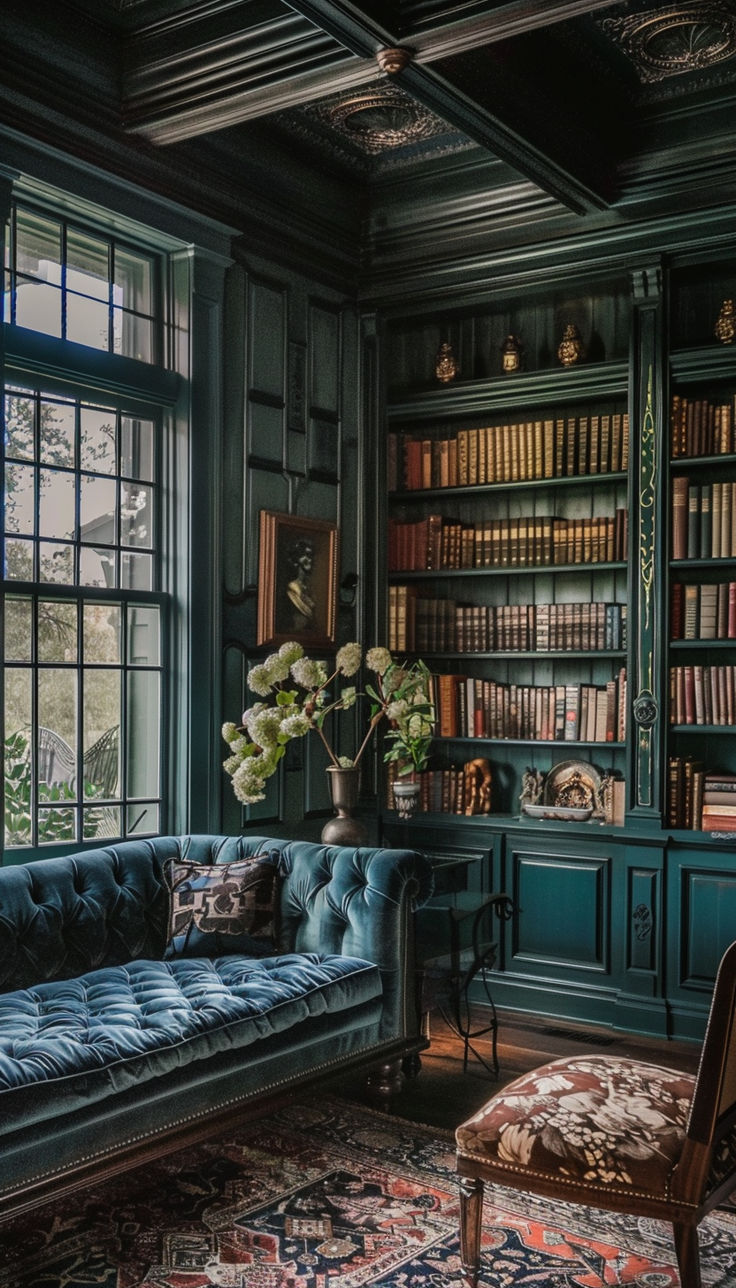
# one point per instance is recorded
(297, 580)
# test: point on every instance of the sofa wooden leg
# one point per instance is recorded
(471, 1217)
(385, 1081)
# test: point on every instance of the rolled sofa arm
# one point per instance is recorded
(358, 902)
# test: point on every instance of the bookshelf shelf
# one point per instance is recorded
(532, 655)
(504, 570)
(476, 490)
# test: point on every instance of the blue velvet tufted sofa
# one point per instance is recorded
(110, 1052)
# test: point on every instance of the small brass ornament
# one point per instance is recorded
(511, 353)
(725, 328)
(446, 367)
(570, 349)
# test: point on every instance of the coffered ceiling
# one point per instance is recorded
(584, 106)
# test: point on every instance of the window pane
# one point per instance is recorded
(97, 511)
(100, 733)
(136, 448)
(18, 628)
(133, 276)
(136, 572)
(56, 825)
(144, 629)
(97, 448)
(18, 559)
(143, 734)
(19, 427)
(57, 713)
(56, 505)
(56, 563)
(38, 246)
(19, 499)
(38, 307)
(142, 819)
(87, 322)
(17, 756)
(97, 567)
(88, 264)
(102, 822)
(57, 433)
(132, 336)
(101, 623)
(136, 511)
(57, 631)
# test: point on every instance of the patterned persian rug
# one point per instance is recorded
(326, 1194)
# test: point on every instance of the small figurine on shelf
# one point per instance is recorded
(725, 328)
(446, 367)
(532, 782)
(511, 354)
(570, 349)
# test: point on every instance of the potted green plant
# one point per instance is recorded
(409, 737)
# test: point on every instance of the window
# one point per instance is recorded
(67, 281)
(85, 608)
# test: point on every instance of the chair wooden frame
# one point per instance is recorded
(702, 1178)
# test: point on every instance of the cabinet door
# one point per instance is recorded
(701, 902)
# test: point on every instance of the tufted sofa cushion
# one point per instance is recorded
(66, 1043)
(616, 1123)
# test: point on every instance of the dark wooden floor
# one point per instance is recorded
(444, 1096)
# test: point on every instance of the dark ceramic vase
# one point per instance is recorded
(344, 829)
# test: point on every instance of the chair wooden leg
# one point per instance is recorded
(688, 1254)
(471, 1217)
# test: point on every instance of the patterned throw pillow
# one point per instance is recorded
(222, 908)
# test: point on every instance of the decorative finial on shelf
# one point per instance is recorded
(511, 354)
(445, 367)
(570, 349)
(725, 327)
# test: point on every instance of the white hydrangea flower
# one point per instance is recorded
(308, 673)
(348, 659)
(248, 783)
(348, 697)
(266, 727)
(397, 710)
(277, 667)
(259, 679)
(229, 731)
(378, 660)
(296, 725)
(291, 652)
(345, 762)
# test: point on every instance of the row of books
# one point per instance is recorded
(434, 542)
(453, 789)
(555, 447)
(701, 428)
(704, 611)
(446, 626)
(425, 624)
(698, 799)
(471, 708)
(702, 695)
(703, 520)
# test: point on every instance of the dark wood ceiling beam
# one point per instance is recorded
(191, 80)
(503, 23)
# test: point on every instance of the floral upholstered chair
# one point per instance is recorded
(614, 1133)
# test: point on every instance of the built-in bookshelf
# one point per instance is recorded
(507, 542)
(701, 706)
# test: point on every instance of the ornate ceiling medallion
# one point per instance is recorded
(382, 119)
(681, 38)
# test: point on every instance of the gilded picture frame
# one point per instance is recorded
(297, 580)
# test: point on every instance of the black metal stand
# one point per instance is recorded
(446, 978)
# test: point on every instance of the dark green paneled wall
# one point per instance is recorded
(291, 446)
